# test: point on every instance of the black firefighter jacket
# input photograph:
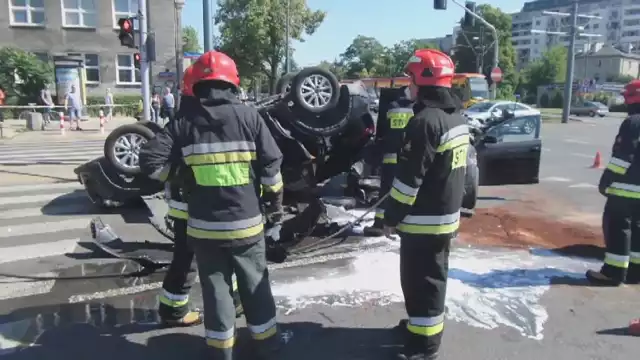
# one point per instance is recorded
(232, 158)
(398, 116)
(426, 194)
(621, 178)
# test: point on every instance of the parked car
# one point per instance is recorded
(590, 108)
(486, 110)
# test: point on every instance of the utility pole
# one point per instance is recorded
(179, 5)
(287, 56)
(496, 42)
(574, 32)
(144, 60)
(206, 25)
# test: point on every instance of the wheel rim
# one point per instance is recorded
(316, 91)
(127, 148)
(528, 127)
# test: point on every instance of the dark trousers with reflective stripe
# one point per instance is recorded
(387, 174)
(180, 276)
(621, 229)
(424, 263)
(216, 266)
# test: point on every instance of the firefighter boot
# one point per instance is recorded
(377, 229)
(192, 318)
(599, 279)
(633, 275)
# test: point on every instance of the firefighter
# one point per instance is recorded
(620, 183)
(231, 156)
(400, 111)
(426, 197)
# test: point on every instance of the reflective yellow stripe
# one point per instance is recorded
(219, 158)
(231, 230)
(426, 326)
(173, 300)
(272, 183)
(390, 159)
(178, 210)
(635, 258)
(229, 174)
(403, 193)
(220, 339)
(379, 213)
(453, 138)
(619, 261)
(618, 166)
(430, 224)
(264, 331)
(399, 118)
(624, 190)
(161, 174)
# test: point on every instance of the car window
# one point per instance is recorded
(521, 107)
(481, 107)
(524, 128)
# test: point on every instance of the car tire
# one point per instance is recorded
(602, 115)
(528, 127)
(284, 83)
(592, 113)
(139, 133)
(471, 180)
(349, 108)
(317, 78)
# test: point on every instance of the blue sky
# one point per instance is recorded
(348, 18)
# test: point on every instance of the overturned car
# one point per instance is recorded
(324, 129)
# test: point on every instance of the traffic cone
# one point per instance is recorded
(62, 129)
(101, 122)
(596, 161)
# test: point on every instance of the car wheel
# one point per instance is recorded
(315, 90)
(592, 113)
(122, 147)
(528, 127)
(471, 180)
(284, 83)
(602, 115)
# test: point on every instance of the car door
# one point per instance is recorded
(507, 155)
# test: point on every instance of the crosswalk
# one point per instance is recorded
(58, 152)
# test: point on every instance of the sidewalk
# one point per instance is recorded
(16, 131)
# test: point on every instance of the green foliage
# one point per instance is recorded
(23, 75)
(622, 79)
(551, 68)
(190, 40)
(545, 102)
(557, 100)
(252, 32)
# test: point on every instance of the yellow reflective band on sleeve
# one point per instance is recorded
(430, 224)
(426, 326)
(178, 210)
(624, 190)
(379, 213)
(403, 193)
(453, 138)
(264, 331)
(399, 118)
(219, 175)
(618, 166)
(230, 230)
(619, 261)
(390, 159)
(634, 258)
(173, 300)
(272, 183)
(161, 174)
(221, 339)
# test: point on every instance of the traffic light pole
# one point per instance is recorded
(144, 60)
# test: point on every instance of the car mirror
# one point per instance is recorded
(490, 139)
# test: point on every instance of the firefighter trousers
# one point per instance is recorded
(621, 229)
(424, 263)
(216, 265)
(387, 174)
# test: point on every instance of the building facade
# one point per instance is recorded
(606, 64)
(89, 28)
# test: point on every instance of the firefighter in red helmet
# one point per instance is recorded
(620, 183)
(426, 197)
(231, 156)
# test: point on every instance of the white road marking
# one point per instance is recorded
(583, 155)
(4, 157)
(30, 199)
(57, 210)
(546, 149)
(37, 251)
(11, 288)
(583, 186)
(36, 187)
(556, 179)
(576, 141)
(37, 228)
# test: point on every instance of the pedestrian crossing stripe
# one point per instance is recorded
(78, 152)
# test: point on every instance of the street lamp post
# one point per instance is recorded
(179, 5)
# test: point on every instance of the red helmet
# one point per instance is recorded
(215, 66)
(187, 82)
(631, 92)
(429, 67)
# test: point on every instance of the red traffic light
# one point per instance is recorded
(126, 25)
(136, 56)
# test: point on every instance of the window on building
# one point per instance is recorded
(537, 22)
(79, 13)
(91, 66)
(596, 26)
(125, 9)
(27, 12)
(41, 55)
(127, 74)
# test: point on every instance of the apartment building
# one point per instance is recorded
(88, 28)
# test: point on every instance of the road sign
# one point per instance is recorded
(496, 74)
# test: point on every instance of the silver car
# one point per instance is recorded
(589, 108)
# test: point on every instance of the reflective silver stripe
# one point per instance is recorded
(178, 205)
(426, 321)
(620, 162)
(379, 211)
(218, 147)
(454, 133)
(400, 110)
(615, 257)
(258, 329)
(431, 219)
(272, 180)
(174, 297)
(162, 173)
(225, 225)
(220, 335)
(405, 189)
(635, 255)
(390, 156)
(167, 191)
(628, 187)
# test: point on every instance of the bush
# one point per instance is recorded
(618, 108)
(544, 100)
(128, 105)
(557, 100)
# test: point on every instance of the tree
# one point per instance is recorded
(551, 68)
(22, 74)
(363, 56)
(400, 53)
(190, 41)
(253, 32)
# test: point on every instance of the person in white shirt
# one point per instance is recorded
(108, 105)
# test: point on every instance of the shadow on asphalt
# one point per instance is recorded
(621, 331)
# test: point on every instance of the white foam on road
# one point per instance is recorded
(37, 251)
(37, 228)
(42, 198)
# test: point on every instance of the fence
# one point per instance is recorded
(20, 111)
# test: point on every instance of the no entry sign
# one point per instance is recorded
(496, 74)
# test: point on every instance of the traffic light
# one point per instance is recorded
(469, 20)
(440, 4)
(136, 60)
(126, 33)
